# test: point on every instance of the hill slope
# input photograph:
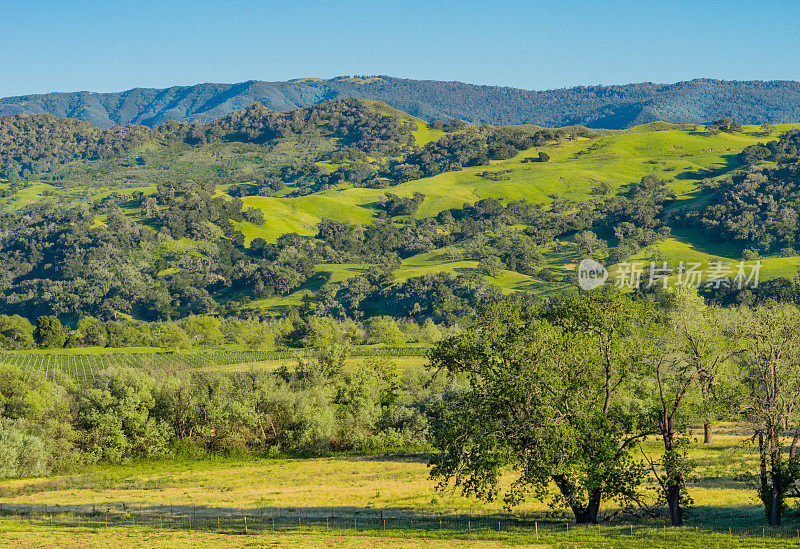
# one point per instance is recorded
(356, 209)
(613, 107)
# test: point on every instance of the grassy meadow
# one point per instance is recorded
(342, 501)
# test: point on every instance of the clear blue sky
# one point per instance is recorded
(60, 45)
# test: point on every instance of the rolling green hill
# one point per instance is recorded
(281, 174)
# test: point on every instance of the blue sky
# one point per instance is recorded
(61, 45)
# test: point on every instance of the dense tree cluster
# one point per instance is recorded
(47, 332)
(395, 205)
(442, 297)
(127, 414)
(561, 394)
(759, 207)
(784, 150)
(634, 216)
(34, 144)
(359, 123)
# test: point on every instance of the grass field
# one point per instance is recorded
(82, 365)
(342, 501)
(576, 167)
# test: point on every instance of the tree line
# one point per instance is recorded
(561, 393)
(292, 331)
(127, 414)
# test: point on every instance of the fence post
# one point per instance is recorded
(536, 525)
(245, 524)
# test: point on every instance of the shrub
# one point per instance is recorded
(115, 417)
(21, 454)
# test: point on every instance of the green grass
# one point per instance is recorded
(576, 167)
(365, 488)
(424, 134)
(675, 251)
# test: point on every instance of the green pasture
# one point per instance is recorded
(381, 500)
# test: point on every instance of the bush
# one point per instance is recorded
(116, 420)
(21, 454)
(170, 336)
(203, 330)
(383, 329)
(16, 332)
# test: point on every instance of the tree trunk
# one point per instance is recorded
(774, 518)
(708, 435)
(673, 477)
(776, 490)
(589, 513)
(674, 504)
(583, 514)
(770, 481)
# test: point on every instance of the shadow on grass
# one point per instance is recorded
(730, 163)
(742, 520)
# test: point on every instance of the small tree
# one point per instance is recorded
(92, 332)
(16, 332)
(769, 336)
(383, 329)
(688, 354)
(588, 242)
(491, 265)
(49, 334)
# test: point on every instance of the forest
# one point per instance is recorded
(613, 107)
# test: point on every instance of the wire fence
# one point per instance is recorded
(264, 520)
(82, 368)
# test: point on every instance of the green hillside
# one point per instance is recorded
(231, 191)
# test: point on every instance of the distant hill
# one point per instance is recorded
(613, 107)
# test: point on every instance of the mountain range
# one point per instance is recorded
(612, 107)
